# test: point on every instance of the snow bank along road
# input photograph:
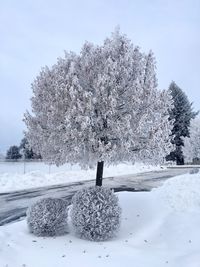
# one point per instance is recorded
(13, 205)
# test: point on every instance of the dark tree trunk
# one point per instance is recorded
(99, 175)
(180, 161)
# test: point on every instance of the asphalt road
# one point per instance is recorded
(13, 205)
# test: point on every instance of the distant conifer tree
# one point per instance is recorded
(181, 115)
(13, 153)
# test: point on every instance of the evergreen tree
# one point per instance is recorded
(13, 153)
(101, 105)
(181, 115)
(26, 151)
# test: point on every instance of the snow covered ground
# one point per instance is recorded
(159, 228)
(12, 179)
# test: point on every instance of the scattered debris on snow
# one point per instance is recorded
(150, 235)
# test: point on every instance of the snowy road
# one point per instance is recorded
(13, 205)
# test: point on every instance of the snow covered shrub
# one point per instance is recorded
(48, 217)
(194, 170)
(95, 213)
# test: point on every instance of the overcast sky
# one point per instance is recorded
(34, 33)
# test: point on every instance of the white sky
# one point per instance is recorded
(33, 33)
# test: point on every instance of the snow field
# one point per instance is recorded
(153, 233)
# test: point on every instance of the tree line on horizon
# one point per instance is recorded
(23, 151)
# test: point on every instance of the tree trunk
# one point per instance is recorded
(179, 154)
(99, 175)
(179, 161)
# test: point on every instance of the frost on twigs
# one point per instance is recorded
(95, 213)
(102, 104)
(48, 217)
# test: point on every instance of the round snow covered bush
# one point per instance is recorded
(48, 217)
(95, 213)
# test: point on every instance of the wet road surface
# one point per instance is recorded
(13, 205)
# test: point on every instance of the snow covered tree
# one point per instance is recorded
(181, 114)
(100, 105)
(150, 118)
(13, 153)
(191, 149)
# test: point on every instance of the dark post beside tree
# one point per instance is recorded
(99, 175)
(181, 115)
